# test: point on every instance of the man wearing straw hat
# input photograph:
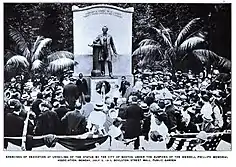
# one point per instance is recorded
(97, 119)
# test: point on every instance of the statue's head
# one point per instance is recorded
(104, 29)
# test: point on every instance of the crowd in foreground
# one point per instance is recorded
(156, 106)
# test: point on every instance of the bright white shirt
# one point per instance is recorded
(138, 85)
(218, 116)
(96, 118)
(206, 110)
(66, 82)
(152, 145)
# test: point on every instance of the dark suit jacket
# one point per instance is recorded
(48, 123)
(82, 86)
(61, 111)
(35, 107)
(123, 87)
(134, 115)
(71, 94)
(74, 123)
(14, 124)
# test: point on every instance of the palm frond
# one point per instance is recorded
(17, 61)
(61, 64)
(191, 27)
(208, 57)
(148, 54)
(37, 65)
(148, 42)
(204, 55)
(191, 44)
(36, 44)
(38, 50)
(161, 33)
(60, 54)
(150, 50)
(166, 32)
(8, 54)
(20, 42)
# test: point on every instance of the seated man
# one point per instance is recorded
(47, 122)
(73, 122)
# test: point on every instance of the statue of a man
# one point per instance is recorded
(107, 50)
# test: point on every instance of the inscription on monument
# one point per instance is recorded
(103, 12)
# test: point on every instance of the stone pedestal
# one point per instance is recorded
(96, 72)
(95, 85)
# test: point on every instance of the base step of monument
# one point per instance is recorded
(104, 77)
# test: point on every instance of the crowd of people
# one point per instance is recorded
(158, 104)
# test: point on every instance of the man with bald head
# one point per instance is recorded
(107, 51)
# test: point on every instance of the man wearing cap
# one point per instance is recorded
(107, 51)
(73, 122)
(134, 115)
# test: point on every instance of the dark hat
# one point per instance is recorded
(155, 136)
(205, 97)
(161, 104)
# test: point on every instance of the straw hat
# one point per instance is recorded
(98, 107)
(25, 96)
(144, 106)
(202, 135)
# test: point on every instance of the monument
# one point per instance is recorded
(103, 56)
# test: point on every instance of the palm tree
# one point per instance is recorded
(33, 59)
(190, 43)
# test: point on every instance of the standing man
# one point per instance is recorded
(107, 43)
(71, 93)
(123, 85)
(134, 115)
(82, 88)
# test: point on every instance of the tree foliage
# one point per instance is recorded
(55, 21)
